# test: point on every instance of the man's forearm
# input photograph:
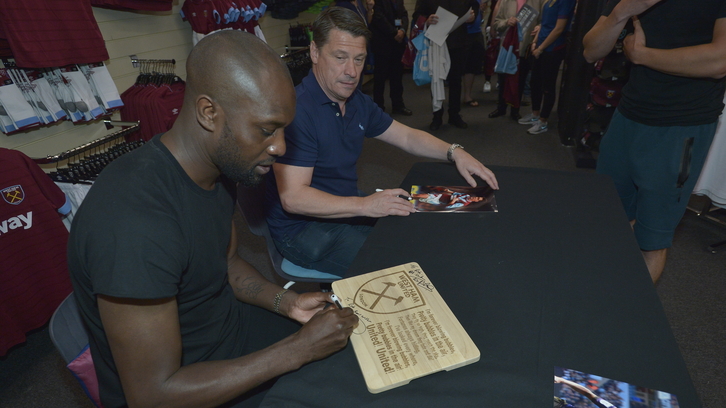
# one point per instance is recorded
(698, 61)
(250, 286)
(415, 142)
(702, 61)
(146, 342)
(428, 146)
(600, 40)
(211, 383)
(312, 202)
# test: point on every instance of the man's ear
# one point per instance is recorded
(206, 111)
(314, 52)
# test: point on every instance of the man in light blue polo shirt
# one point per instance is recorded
(316, 216)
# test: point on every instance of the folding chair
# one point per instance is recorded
(69, 335)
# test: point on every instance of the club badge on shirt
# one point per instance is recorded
(13, 195)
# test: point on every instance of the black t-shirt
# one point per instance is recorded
(147, 231)
(653, 98)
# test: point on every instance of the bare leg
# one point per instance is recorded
(655, 260)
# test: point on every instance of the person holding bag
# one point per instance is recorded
(455, 43)
(506, 17)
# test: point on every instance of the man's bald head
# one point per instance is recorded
(229, 64)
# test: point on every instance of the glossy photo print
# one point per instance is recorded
(576, 389)
(453, 198)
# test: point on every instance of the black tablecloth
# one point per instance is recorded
(555, 278)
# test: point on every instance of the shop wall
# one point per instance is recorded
(148, 35)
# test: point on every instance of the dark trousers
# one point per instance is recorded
(328, 246)
(544, 81)
(456, 72)
(389, 68)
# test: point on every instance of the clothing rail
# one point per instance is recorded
(133, 126)
(135, 61)
(704, 212)
(291, 50)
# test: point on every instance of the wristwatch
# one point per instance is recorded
(450, 152)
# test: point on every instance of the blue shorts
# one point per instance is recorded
(654, 169)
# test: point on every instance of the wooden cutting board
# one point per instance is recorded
(406, 330)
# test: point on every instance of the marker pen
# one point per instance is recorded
(335, 300)
(407, 198)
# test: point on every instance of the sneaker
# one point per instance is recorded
(528, 120)
(537, 128)
(487, 87)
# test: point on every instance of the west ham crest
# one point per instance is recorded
(13, 195)
(389, 294)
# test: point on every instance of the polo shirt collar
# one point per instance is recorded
(319, 97)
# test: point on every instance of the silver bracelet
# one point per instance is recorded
(278, 299)
(450, 152)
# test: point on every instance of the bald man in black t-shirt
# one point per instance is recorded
(176, 317)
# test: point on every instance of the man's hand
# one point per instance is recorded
(468, 166)
(634, 43)
(399, 35)
(304, 306)
(387, 202)
(512, 21)
(432, 20)
(325, 333)
(601, 38)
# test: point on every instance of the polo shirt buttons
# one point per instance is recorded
(337, 113)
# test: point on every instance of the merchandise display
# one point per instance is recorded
(51, 33)
(34, 97)
(32, 246)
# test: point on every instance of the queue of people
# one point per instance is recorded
(177, 318)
